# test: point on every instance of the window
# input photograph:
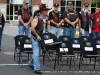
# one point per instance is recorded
(12, 10)
(78, 3)
(93, 6)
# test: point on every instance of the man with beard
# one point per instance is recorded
(71, 18)
(84, 22)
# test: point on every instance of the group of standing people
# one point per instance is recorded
(89, 24)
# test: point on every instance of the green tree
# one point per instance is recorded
(96, 2)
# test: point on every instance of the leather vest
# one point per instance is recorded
(56, 18)
(84, 19)
(39, 27)
(69, 17)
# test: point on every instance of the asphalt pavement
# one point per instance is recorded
(9, 66)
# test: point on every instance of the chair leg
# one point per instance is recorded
(55, 62)
(80, 62)
(70, 63)
(67, 60)
(19, 59)
(28, 56)
(43, 57)
(15, 53)
(94, 62)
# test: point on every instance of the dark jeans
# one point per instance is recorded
(1, 31)
(94, 35)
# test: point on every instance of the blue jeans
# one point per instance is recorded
(23, 30)
(94, 35)
(70, 31)
(35, 61)
(1, 31)
(84, 33)
(56, 31)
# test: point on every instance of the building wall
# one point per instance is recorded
(3, 1)
(3, 7)
(35, 2)
(57, 1)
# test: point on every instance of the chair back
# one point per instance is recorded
(75, 44)
(84, 38)
(18, 38)
(87, 48)
(25, 44)
(49, 41)
(65, 48)
(64, 38)
(96, 43)
(48, 38)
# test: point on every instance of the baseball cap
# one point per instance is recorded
(43, 7)
(25, 1)
(56, 5)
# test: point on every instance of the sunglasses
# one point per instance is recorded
(26, 3)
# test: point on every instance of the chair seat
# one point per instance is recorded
(76, 51)
(92, 55)
(53, 44)
(68, 55)
(27, 51)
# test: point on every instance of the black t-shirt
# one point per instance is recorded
(2, 21)
(37, 12)
(72, 18)
(51, 16)
(20, 13)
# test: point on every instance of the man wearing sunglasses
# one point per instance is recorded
(71, 18)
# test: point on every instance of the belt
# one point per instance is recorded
(55, 26)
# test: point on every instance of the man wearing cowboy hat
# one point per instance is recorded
(37, 30)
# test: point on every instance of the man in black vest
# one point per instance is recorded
(56, 20)
(84, 22)
(25, 18)
(37, 30)
(71, 18)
